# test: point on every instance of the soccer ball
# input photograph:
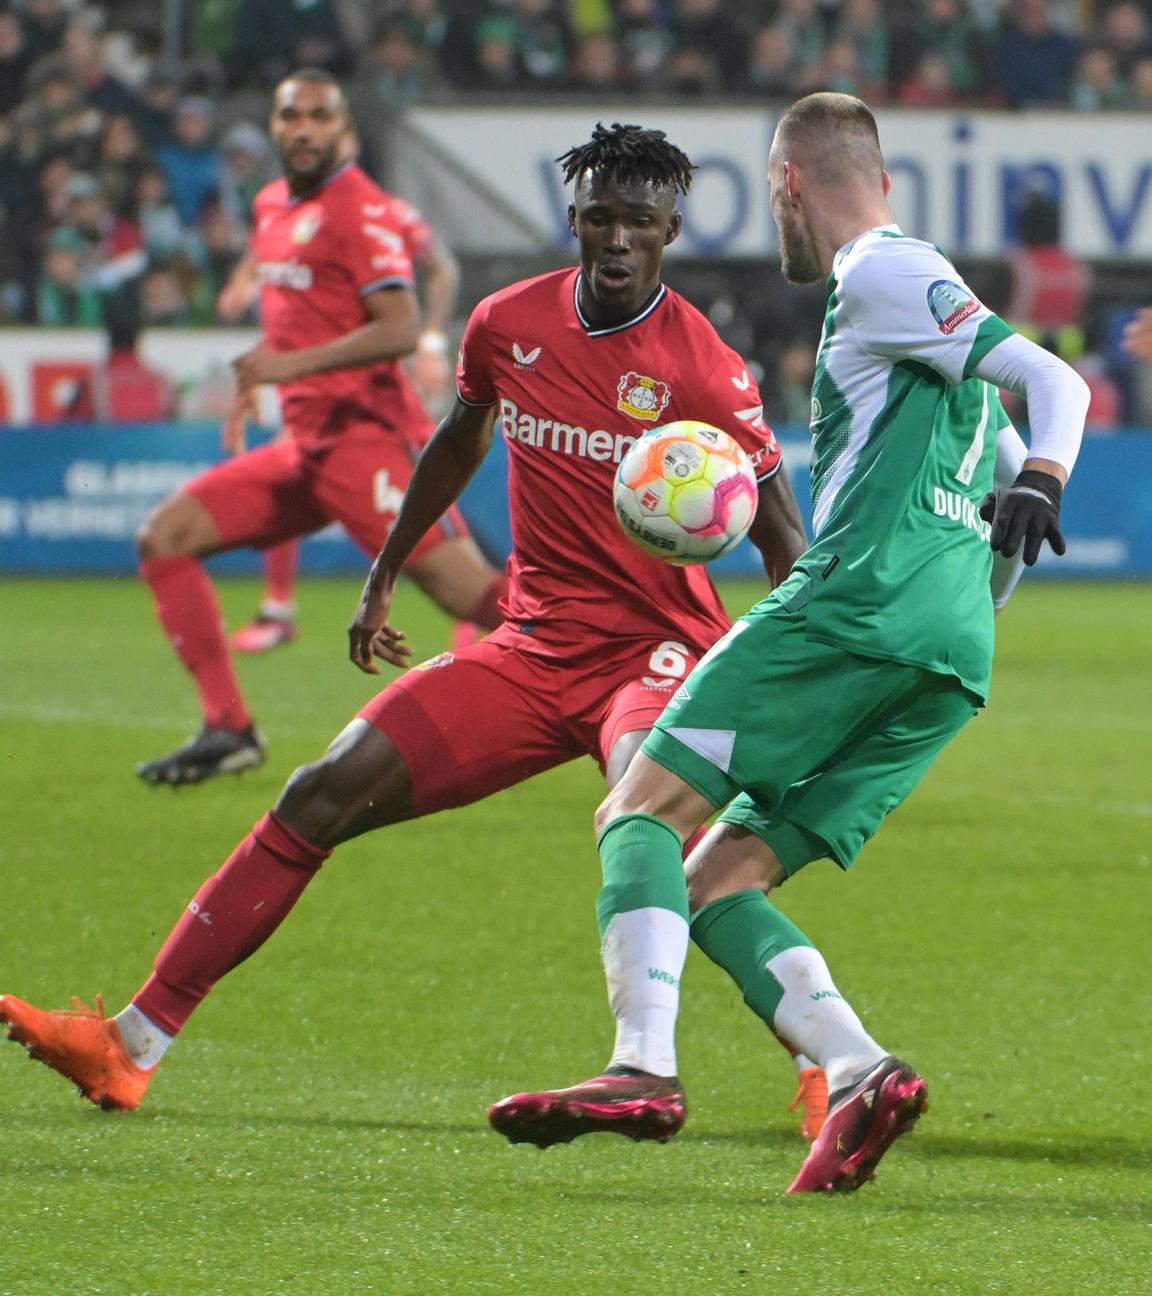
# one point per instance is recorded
(686, 492)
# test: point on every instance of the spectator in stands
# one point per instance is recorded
(770, 70)
(1124, 30)
(792, 403)
(165, 298)
(48, 205)
(15, 60)
(220, 243)
(705, 25)
(156, 106)
(84, 53)
(542, 40)
(929, 85)
(121, 388)
(161, 232)
(645, 37)
(64, 295)
(803, 24)
(1097, 83)
(839, 70)
(1035, 59)
(247, 165)
(45, 22)
(497, 64)
(397, 69)
(53, 113)
(861, 25)
(945, 30)
(597, 65)
(1140, 85)
(192, 161)
(111, 251)
(691, 70)
(272, 38)
(120, 161)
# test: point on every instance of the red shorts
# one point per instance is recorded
(292, 488)
(472, 722)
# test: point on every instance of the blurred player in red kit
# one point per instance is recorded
(429, 368)
(598, 636)
(332, 254)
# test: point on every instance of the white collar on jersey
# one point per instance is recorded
(615, 328)
(876, 229)
(293, 199)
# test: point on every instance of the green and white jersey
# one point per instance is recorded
(903, 451)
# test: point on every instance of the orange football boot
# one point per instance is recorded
(84, 1046)
(812, 1100)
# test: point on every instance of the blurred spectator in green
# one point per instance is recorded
(192, 160)
(63, 294)
(861, 24)
(542, 40)
(111, 251)
(396, 69)
(1097, 84)
(497, 64)
(53, 113)
(691, 70)
(802, 22)
(161, 232)
(839, 70)
(794, 374)
(15, 60)
(944, 30)
(645, 37)
(220, 244)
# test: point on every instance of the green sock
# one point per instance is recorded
(643, 869)
(642, 911)
(742, 933)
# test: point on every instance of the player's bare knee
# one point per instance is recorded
(314, 805)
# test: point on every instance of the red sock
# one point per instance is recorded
(231, 916)
(280, 563)
(189, 611)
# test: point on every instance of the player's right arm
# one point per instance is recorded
(444, 468)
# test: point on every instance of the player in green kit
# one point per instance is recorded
(821, 709)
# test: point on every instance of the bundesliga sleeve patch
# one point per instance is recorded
(951, 304)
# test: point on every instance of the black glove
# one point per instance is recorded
(1028, 511)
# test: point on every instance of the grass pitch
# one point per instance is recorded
(320, 1126)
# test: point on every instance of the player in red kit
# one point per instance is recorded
(333, 257)
(571, 368)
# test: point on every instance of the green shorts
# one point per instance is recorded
(812, 745)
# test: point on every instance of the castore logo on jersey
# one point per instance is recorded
(525, 360)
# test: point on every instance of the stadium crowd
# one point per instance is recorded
(126, 180)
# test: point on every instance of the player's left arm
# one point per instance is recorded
(390, 331)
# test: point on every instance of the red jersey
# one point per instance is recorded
(571, 400)
(319, 255)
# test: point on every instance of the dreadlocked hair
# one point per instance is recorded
(629, 154)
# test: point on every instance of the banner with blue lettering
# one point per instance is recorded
(71, 499)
